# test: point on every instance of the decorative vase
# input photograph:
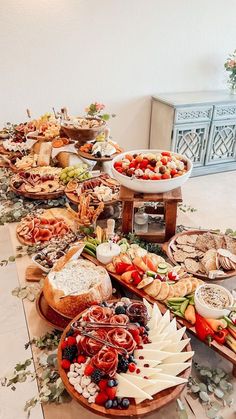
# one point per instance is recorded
(232, 88)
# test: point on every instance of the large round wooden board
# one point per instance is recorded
(89, 156)
(159, 400)
(169, 252)
(48, 314)
(42, 196)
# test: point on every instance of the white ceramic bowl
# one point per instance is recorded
(209, 312)
(150, 186)
(43, 268)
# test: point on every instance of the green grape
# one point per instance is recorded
(63, 176)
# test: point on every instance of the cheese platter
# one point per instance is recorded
(105, 380)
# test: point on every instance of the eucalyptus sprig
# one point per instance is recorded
(29, 292)
(49, 341)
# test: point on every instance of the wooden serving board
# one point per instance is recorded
(75, 200)
(89, 156)
(169, 252)
(34, 274)
(159, 400)
(223, 350)
(42, 196)
(48, 314)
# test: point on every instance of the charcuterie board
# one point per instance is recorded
(223, 350)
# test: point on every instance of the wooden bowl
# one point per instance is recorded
(204, 277)
(159, 400)
(82, 135)
(49, 315)
(43, 196)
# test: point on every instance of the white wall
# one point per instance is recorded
(73, 52)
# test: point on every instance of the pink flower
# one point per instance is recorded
(99, 106)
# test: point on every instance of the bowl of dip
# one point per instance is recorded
(211, 301)
(106, 251)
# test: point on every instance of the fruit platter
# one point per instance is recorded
(205, 254)
(38, 183)
(101, 188)
(151, 171)
(123, 358)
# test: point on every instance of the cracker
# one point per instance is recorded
(219, 241)
(171, 293)
(188, 249)
(174, 247)
(179, 256)
(154, 288)
(146, 281)
(180, 289)
(201, 243)
(164, 291)
(195, 283)
(188, 285)
(230, 244)
(192, 238)
(210, 241)
(191, 265)
(183, 239)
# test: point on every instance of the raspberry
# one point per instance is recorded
(88, 369)
(132, 367)
(65, 364)
(64, 345)
(71, 341)
(101, 398)
(102, 384)
(111, 392)
(81, 359)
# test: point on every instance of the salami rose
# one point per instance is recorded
(119, 319)
(106, 360)
(122, 338)
(91, 346)
(98, 314)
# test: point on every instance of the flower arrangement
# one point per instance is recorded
(230, 65)
(95, 110)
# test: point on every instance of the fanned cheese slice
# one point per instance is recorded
(174, 369)
(176, 346)
(151, 362)
(152, 354)
(148, 307)
(159, 345)
(155, 388)
(166, 377)
(127, 389)
(171, 328)
(178, 357)
(146, 372)
(156, 317)
(163, 322)
(138, 380)
(174, 337)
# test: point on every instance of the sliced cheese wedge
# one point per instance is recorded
(159, 345)
(156, 316)
(151, 362)
(163, 322)
(155, 388)
(127, 389)
(178, 357)
(171, 328)
(166, 377)
(138, 380)
(173, 369)
(174, 337)
(176, 346)
(152, 354)
(146, 372)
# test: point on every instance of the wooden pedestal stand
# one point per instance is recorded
(169, 210)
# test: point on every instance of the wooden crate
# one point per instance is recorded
(169, 210)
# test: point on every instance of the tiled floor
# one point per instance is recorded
(213, 196)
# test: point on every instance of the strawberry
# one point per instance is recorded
(156, 177)
(111, 392)
(81, 359)
(65, 364)
(165, 153)
(101, 398)
(173, 172)
(136, 277)
(118, 164)
(145, 177)
(119, 169)
(64, 345)
(164, 161)
(102, 384)
(71, 341)
(88, 369)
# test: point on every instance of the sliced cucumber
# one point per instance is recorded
(162, 271)
(162, 266)
(151, 273)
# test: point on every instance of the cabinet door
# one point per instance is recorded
(190, 140)
(222, 142)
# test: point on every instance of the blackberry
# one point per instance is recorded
(70, 352)
(120, 310)
(123, 365)
(96, 376)
(70, 333)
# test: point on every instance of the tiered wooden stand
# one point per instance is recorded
(168, 210)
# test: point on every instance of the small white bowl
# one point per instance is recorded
(38, 264)
(209, 312)
(150, 186)
(105, 254)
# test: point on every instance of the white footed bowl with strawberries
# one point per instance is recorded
(151, 171)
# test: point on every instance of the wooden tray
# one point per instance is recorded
(34, 274)
(72, 198)
(223, 350)
(49, 315)
(42, 196)
(169, 252)
(89, 156)
(159, 400)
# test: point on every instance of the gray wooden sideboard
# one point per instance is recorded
(200, 125)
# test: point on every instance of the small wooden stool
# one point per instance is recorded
(169, 210)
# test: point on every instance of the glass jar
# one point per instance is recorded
(141, 221)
